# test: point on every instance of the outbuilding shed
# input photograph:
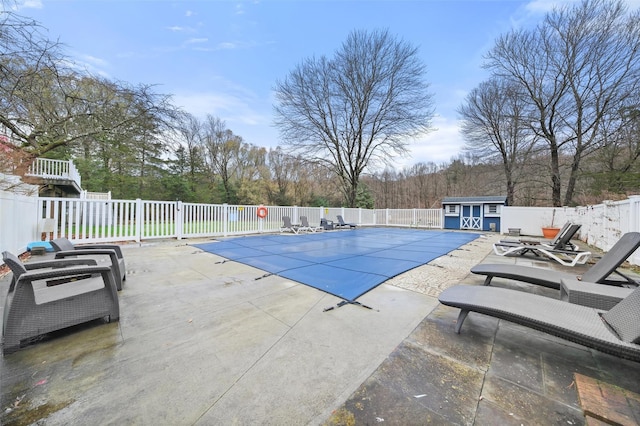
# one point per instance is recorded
(473, 213)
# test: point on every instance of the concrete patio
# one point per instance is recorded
(201, 342)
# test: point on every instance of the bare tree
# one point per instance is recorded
(282, 167)
(191, 139)
(251, 165)
(614, 168)
(579, 65)
(48, 105)
(356, 109)
(221, 145)
(496, 126)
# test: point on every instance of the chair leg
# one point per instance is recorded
(461, 317)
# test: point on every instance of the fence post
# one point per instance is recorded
(179, 221)
(225, 219)
(634, 213)
(138, 219)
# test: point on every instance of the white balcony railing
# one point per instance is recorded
(55, 169)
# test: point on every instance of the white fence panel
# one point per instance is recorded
(429, 218)
(158, 219)
(602, 224)
(331, 213)
(201, 220)
(351, 215)
(19, 223)
(90, 220)
(367, 217)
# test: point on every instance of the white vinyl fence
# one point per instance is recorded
(85, 220)
(18, 221)
(24, 219)
(602, 224)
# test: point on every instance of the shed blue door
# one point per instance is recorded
(471, 216)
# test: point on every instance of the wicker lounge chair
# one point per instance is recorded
(304, 225)
(111, 253)
(45, 298)
(342, 224)
(599, 273)
(616, 331)
(288, 226)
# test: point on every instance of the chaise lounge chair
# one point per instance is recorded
(101, 252)
(562, 251)
(616, 331)
(288, 226)
(598, 273)
(562, 241)
(341, 223)
(48, 296)
(548, 241)
(306, 227)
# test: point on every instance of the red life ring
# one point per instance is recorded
(262, 212)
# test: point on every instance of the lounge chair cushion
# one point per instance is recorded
(624, 318)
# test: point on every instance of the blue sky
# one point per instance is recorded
(224, 57)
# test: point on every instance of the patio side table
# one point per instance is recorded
(599, 296)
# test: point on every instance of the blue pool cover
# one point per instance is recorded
(345, 263)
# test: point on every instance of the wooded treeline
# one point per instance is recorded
(565, 131)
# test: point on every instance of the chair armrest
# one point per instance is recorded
(599, 296)
(115, 265)
(114, 247)
(34, 275)
(88, 252)
(75, 273)
(58, 263)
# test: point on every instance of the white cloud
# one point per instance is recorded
(237, 110)
(94, 61)
(28, 4)
(544, 6)
(227, 45)
(439, 146)
(196, 40)
(188, 13)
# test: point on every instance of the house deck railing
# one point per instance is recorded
(55, 169)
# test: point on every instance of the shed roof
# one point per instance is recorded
(481, 199)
